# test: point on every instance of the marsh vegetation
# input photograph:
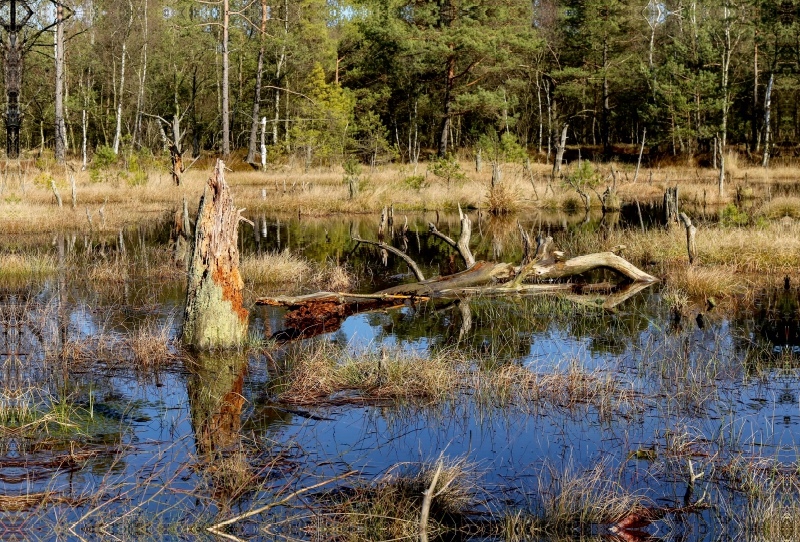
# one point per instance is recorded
(513, 417)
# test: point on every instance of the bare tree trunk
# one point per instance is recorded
(226, 128)
(251, 149)
(277, 101)
(118, 130)
(84, 160)
(549, 119)
(726, 62)
(61, 132)
(606, 107)
(281, 60)
(767, 110)
(541, 120)
(448, 103)
(756, 133)
(560, 152)
(142, 81)
(641, 151)
(263, 143)
(415, 147)
(215, 315)
(691, 244)
(721, 169)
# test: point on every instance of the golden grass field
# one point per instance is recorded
(322, 191)
(730, 257)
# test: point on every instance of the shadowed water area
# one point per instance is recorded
(111, 431)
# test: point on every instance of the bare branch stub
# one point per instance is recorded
(405, 257)
(526, 244)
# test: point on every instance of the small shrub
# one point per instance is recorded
(415, 182)
(43, 179)
(448, 168)
(732, 216)
(352, 169)
(571, 204)
(136, 175)
(352, 166)
(104, 158)
(584, 176)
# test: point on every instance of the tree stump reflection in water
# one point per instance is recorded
(216, 401)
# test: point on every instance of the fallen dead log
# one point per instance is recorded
(324, 311)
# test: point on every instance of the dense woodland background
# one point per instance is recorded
(402, 80)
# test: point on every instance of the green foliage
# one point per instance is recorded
(372, 139)
(100, 170)
(584, 176)
(43, 179)
(136, 174)
(732, 216)
(322, 131)
(104, 157)
(449, 169)
(352, 166)
(377, 78)
(504, 148)
(415, 182)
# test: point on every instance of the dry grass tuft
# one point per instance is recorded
(289, 271)
(275, 269)
(151, 344)
(717, 281)
(323, 373)
(564, 388)
(574, 499)
(333, 277)
(503, 199)
(781, 207)
(231, 474)
(389, 508)
(15, 267)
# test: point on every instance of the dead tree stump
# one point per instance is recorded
(691, 244)
(214, 315)
(671, 205)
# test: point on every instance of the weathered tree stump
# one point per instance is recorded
(671, 206)
(691, 244)
(214, 315)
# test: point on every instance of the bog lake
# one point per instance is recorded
(695, 411)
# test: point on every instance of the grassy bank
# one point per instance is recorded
(320, 192)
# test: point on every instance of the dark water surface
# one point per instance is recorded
(719, 390)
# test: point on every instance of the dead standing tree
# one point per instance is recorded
(174, 144)
(324, 311)
(214, 315)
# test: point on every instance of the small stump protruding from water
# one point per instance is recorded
(214, 315)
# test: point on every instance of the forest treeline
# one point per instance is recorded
(403, 80)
